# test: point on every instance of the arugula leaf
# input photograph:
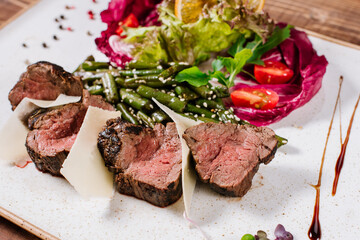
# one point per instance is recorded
(217, 65)
(237, 46)
(193, 76)
(278, 36)
(220, 76)
(259, 48)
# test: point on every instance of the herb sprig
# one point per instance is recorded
(242, 52)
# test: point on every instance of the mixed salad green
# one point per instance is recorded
(270, 70)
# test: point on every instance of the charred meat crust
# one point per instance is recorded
(45, 81)
(52, 135)
(125, 184)
(227, 156)
(146, 162)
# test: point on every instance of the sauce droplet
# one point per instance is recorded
(341, 158)
(314, 232)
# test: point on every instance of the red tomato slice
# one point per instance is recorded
(129, 21)
(273, 73)
(258, 98)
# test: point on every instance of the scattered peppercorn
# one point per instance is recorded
(62, 17)
(61, 27)
(55, 37)
(56, 20)
(24, 45)
(67, 7)
(45, 45)
(89, 33)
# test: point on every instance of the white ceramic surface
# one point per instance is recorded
(280, 193)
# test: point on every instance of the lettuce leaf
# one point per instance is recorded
(216, 30)
(309, 69)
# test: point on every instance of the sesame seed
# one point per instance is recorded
(213, 116)
(130, 101)
(182, 99)
(196, 116)
(226, 112)
(197, 106)
(205, 104)
(151, 106)
(203, 115)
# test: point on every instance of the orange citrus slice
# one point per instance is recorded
(189, 11)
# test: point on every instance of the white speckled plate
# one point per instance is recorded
(280, 193)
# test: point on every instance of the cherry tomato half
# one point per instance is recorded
(273, 73)
(258, 98)
(129, 21)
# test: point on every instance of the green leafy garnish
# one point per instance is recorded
(193, 76)
(259, 48)
(242, 52)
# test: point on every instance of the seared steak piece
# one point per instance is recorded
(53, 135)
(95, 101)
(228, 155)
(45, 81)
(146, 162)
(54, 132)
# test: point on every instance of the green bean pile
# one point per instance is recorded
(132, 89)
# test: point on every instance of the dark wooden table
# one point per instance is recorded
(336, 20)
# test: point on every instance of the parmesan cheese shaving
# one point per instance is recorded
(188, 174)
(14, 132)
(84, 167)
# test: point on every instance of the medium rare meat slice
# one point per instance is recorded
(53, 135)
(146, 162)
(45, 81)
(95, 101)
(54, 131)
(228, 155)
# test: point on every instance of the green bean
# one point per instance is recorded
(144, 78)
(139, 72)
(146, 119)
(205, 119)
(226, 116)
(171, 101)
(200, 111)
(210, 104)
(141, 65)
(89, 58)
(92, 65)
(159, 116)
(172, 70)
(133, 99)
(96, 89)
(132, 83)
(125, 113)
(185, 93)
(111, 93)
(203, 91)
(221, 91)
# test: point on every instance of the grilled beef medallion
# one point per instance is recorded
(44, 81)
(146, 162)
(228, 155)
(52, 136)
(54, 130)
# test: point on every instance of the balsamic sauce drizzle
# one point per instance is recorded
(341, 158)
(314, 232)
